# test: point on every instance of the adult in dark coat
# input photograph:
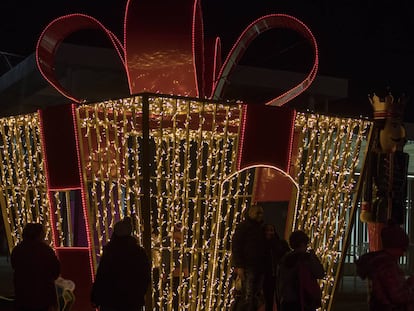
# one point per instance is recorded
(36, 268)
(299, 271)
(123, 274)
(248, 255)
(389, 288)
(276, 248)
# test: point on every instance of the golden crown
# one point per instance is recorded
(388, 107)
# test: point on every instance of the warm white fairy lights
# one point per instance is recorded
(193, 151)
(23, 195)
(330, 149)
(193, 148)
(62, 205)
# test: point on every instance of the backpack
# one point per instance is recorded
(310, 291)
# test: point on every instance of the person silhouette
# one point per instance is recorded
(299, 271)
(248, 256)
(123, 274)
(35, 269)
(275, 249)
(388, 289)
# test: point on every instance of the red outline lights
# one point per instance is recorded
(53, 35)
(197, 85)
(254, 30)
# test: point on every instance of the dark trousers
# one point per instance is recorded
(269, 292)
(251, 291)
(294, 306)
(291, 306)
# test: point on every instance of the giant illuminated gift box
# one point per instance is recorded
(85, 171)
(165, 159)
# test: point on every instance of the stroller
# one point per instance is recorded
(6, 303)
(65, 295)
(64, 292)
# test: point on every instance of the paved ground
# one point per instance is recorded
(351, 294)
(6, 284)
(6, 277)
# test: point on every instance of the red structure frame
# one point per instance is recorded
(157, 52)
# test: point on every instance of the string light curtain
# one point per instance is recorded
(236, 196)
(330, 150)
(68, 217)
(109, 135)
(23, 195)
(193, 147)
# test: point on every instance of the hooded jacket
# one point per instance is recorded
(388, 287)
(123, 275)
(288, 281)
(36, 268)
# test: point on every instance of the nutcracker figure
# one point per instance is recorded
(385, 180)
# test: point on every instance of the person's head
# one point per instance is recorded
(33, 232)
(255, 213)
(298, 240)
(123, 227)
(178, 234)
(270, 231)
(394, 239)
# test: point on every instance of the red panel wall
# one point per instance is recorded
(62, 171)
(267, 136)
(272, 186)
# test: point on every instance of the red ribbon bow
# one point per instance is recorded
(164, 49)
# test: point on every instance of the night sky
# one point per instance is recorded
(368, 42)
